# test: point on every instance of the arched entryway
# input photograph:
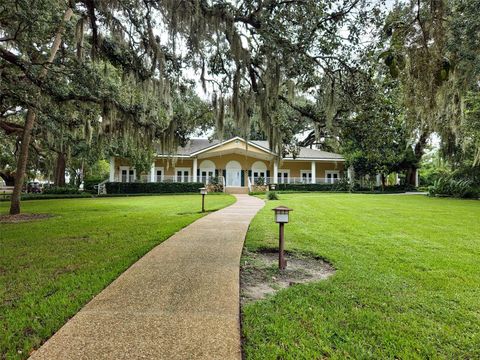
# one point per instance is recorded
(259, 170)
(206, 171)
(233, 174)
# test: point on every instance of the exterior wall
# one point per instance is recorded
(321, 166)
(246, 162)
(232, 146)
(169, 165)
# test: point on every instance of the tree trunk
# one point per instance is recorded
(60, 169)
(22, 162)
(30, 122)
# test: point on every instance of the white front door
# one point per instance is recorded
(234, 174)
(234, 177)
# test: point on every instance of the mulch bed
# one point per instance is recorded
(260, 277)
(22, 218)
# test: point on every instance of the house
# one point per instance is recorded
(239, 164)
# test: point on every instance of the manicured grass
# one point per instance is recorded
(407, 284)
(50, 268)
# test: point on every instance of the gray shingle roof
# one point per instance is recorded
(195, 145)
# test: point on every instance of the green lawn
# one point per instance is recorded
(407, 284)
(50, 268)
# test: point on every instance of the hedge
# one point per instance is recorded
(306, 187)
(152, 188)
(50, 196)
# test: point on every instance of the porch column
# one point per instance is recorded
(397, 180)
(111, 177)
(275, 171)
(417, 178)
(152, 172)
(195, 166)
(350, 174)
(314, 172)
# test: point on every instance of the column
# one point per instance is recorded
(379, 180)
(275, 171)
(112, 169)
(152, 172)
(350, 174)
(314, 172)
(417, 178)
(195, 166)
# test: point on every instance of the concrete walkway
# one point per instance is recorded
(180, 301)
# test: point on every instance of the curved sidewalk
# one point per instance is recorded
(180, 301)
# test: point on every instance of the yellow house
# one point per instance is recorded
(238, 163)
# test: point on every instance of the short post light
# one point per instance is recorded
(203, 191)
(281, 218)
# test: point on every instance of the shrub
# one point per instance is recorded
(447, 186)
(152, 188)
(215, 184)
(61, 190)
(272, 195)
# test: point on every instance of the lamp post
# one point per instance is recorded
(281, 218)
(203, 191)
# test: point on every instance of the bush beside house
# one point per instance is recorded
(152, 188)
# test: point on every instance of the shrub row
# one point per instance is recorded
(305, 187)
(49, 196)
(152, 188)
(63, 190)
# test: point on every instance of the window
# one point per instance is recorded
(283, 177)
(127, 174)
(206, 175)
(258, 175)
(182, 175)
(306, 176)
(331, 176)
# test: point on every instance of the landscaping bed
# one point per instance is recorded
(260, 276)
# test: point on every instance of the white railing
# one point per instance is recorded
(252, 181)
(6, 191)
(101, 188)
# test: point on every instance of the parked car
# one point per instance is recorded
(34, 187)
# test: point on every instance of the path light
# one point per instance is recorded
(203, 191)
(281, 217)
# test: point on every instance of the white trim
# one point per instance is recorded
(332, 172)
(311, 159)
(229, 141)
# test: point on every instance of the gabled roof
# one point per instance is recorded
(198, 146)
